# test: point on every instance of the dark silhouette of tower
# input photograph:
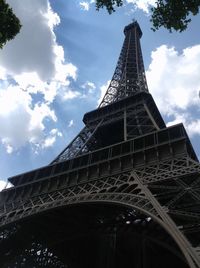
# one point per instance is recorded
(124, 193)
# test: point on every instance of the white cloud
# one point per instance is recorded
(32, 49)
(52, 17)
(144, 5)
(51, 138)
(49, 141)
(21, 121)
(174, 82)
(85, 5)
(71, 123)
(89, 86)
(32, 64)
(70, 94)
(193, 127)
(4, 184)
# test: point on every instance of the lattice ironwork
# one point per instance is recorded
(128, 80)
(129, 76)
(125, 173)
(82, 143)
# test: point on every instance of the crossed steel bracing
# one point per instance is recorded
(129, 76)
(124, 173)
(136, 115)
(167, 191)
(128, 80)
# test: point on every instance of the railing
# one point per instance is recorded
(139, 144)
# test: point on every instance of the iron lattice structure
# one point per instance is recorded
(124, 193)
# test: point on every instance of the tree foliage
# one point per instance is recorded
(108, 4)
(171, 14)
(174, 14)
(9, 23)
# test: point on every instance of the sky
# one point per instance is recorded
(58, 68)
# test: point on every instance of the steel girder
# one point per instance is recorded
(136, 119)
(138, 189)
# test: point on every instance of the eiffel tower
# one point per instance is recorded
(124, 193)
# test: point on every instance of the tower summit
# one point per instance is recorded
(124, 193)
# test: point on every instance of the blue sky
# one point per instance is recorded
(59, 65)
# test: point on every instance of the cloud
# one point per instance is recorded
(33, 72)
(33, 59)
(174, 82)
(89, 86)
(71, 123)
(21, 121)
(51, 138)
(70, 94)
(32, 49)
(4, 184)
(84, 5)
(143, 5)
